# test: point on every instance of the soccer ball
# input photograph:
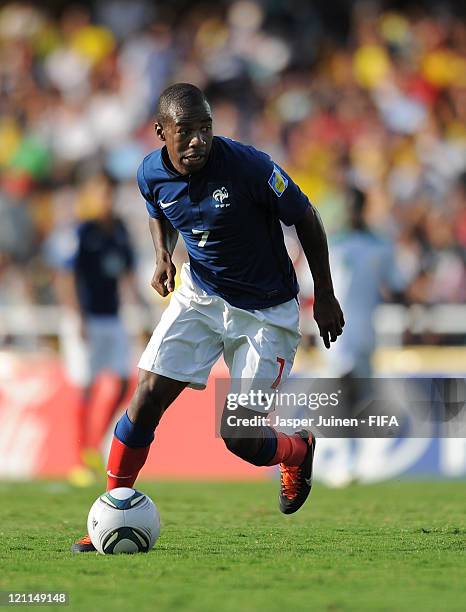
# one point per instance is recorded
(123, 521)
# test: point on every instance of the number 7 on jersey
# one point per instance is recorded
(204, 236)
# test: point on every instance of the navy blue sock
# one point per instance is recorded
(269, 447)
(132, 435)
(259, 450)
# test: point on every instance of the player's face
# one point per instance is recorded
(188, 137)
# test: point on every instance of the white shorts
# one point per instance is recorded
(108, 345)
(196, 328)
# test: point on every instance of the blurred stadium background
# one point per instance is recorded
(365, 93)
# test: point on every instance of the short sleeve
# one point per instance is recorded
(128, 249)
(130, 258)
(281, 193)
(152, 208)
(392, 277)
(61, 249)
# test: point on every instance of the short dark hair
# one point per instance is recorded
(357, 200)
(178, 96)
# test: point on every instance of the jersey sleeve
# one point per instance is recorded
(130, 259)
(392, 277)
(153, 208)
(128, 250)
(280, 193)
(61, 249)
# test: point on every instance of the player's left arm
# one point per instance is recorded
(313, 239)
(292, 207)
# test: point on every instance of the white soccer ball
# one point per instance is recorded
(123, 520)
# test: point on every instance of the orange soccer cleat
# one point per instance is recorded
(296, 481)
(83, 545)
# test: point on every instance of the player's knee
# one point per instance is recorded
(229, 433)
(241, 442)
(232, 443)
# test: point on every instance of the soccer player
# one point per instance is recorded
(364, 271)
(89, 280)
(364, 268)
(238, 292)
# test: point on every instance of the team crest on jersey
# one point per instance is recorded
(278, 182)
(221, 196)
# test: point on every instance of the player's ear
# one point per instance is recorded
(159, 130)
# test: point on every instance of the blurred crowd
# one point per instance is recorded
(378, 102)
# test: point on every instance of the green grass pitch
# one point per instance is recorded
(226, 547)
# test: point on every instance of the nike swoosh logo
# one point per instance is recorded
(109, 473)
(163, 204)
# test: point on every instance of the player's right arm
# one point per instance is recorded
(287, 202)
(164, 237)
(63, 252)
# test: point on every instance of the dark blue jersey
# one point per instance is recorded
(229, 215)
(102, 257)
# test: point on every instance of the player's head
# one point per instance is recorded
(96, 197)
(461, 185)
(356, 208)
(184, 123)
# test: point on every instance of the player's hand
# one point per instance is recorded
(328, 316)
(163, 280)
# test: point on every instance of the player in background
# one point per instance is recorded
(365, 272)
(238, 294)
(89, 284)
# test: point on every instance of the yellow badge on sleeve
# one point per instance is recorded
(278, 182)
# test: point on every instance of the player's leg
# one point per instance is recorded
(83, 475)
(261, 445)
(105, 353)
(134, 431)
(83, 416)
(91, 454)
(75, 355)
(184, 346)
(181, 352)
(116, 359)
(122, 386)
(260, 353)
(119, 363)
(134, 434)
